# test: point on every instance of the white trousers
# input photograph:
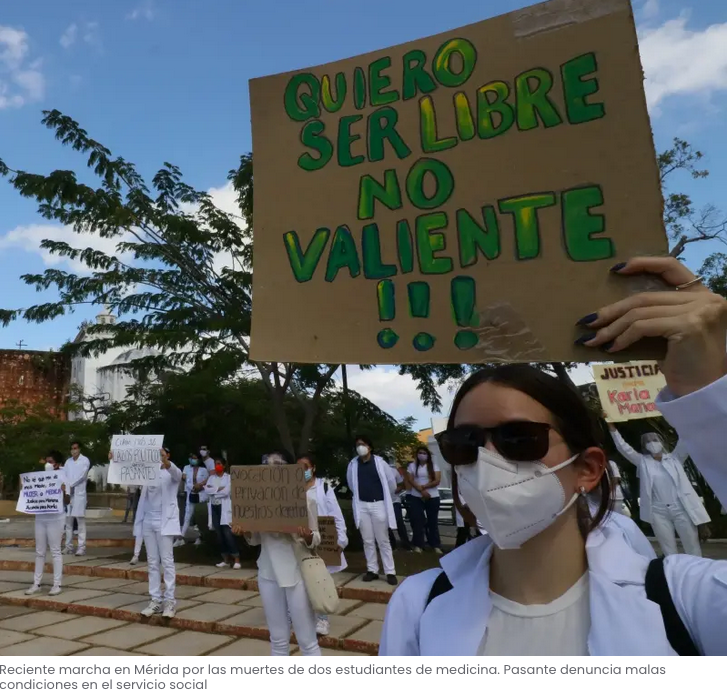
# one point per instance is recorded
(278, 603)
(188, 513)
(138, 542)
(48, 534)
(374, 527)
(665, 519)
(160, 555)
(81, 531)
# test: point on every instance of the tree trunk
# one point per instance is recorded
(562, 373)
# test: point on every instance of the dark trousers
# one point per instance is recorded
(228, 544)
(400, 529)
(132, 502)
(463, 535)
(424, 516)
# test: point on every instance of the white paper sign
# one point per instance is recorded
(136, 459)
(41, 492)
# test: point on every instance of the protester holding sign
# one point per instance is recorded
(49, 527)
(280, 581)
(372, 486)
(157, 519)
(546, 555)
(76, 469)
(327, 505)
(219, 514)
(195, 478)
(668, 500)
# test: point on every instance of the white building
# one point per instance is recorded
(101, 377)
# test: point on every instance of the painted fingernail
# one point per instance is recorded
(588, 319)
(607, 346)
(584, 339)
(618, 267)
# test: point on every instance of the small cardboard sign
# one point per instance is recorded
(41, 492)
(629, 391)
(269, 498)
(328, 550)
(136, 459)
(456, 199)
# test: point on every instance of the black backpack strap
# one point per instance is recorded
(325, 488)
(657, 590)
(440, 586)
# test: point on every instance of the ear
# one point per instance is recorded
(590, 467)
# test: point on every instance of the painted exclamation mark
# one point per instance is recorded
(419, 308)
(386, 298)
(463, 306)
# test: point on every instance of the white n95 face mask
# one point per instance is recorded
(654, 447)
(49, 467)
(513, 501)
(362, 450)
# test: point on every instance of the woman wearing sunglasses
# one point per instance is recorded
(552, 577)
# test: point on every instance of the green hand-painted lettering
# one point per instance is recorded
(302, 263)
(330, 103)
(379, 82)
(345, 139)
(382, 128)
(373, 264)
(312, 136)
(301, 105)
(416, 79)
(442, 63)
(371, 190)
(475, 238)
(343, 254)
(576, 89)
(527, 227)
(428, 129)
(415, 183)
(488, 107)
(405, 246)
(580, 225)
(463, 116)
(535, 102)
(429, 242)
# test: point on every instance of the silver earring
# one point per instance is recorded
(583, 491)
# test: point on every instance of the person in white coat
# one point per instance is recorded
(157, 519)
(668, 499)
(194, 478)
(49, 532)
(219, 514)
(327, 505)
(550, 578)
(373, 486)
(280, 582)
(76, 470)
(618, 492)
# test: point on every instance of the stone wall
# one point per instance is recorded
(32, 378)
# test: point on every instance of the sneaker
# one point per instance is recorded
(370, 576)
(81, 552)
(179, 543)
(437, 550)
(237, 566)
(68, 550)
(134, 561)
(323, 627)
(198, 542)
(391, 579)
(55, 590)
(153, 608)
(32, 590)
(417, 550)
(222, 565)
(170, 609)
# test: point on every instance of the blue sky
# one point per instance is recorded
(166, 80)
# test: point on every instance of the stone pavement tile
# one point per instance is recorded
(78, 628)
(34, 620)
(75, 580)
(330, 651)
(375, 591)
(210, 612)
(342, 627)
(89, 562)
(7, 611)
(129, 636)
(112, 601)
(187, 592)
(371, 633)
(106, 652)
(342, 577)
(200, 570)
(16, 596)
(185, 643)
(71, 595)
(371, 610)
(6, 587)
(107, 584)
(8, 638)
(247, 647)
(45, 646)
(15, 577)
(136, 587)
(252, 618)
(345, 606)
(137, 607)
(229, 578)
(227, 597)
(255, 600)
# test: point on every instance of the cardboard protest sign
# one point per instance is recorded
(269, 498)
(328, 550)
(136, 459)
(628, 392)
(459, 198)
(41, 492)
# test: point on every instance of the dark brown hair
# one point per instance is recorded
(430, 463)
(574, 420)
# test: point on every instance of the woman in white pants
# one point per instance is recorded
(219, 514)
(327, 505)
(48, 535)
(195, 477)
(157, 519)
(280, 581)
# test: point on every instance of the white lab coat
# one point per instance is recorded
(633, 535)
(76, 478)
(674, 465)
(219, 488)
(169, 480)
(623, 621)
(328, 506)
(202, 476)
(388, 483)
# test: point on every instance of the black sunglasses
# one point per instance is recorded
(520, 440)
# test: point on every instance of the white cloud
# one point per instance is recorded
(28, 238)
(144, 11)
(651, 9)
(21, 82)
(679, 61)
(69, 36)
(88, 32)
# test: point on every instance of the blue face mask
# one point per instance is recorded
(308, 475)
(192, 461)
